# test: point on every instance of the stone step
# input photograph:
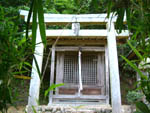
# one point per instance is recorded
(76, 109)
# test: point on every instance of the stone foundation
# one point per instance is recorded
(76, 109)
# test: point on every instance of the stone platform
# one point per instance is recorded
(76, 109)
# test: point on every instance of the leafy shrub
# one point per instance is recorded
(134, 96)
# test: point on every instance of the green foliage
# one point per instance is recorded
(144, 83)
(134, 96)
(13, 53)
(135, 67)
(15, 50)
(75, 6)
(34, 110)
(142, 107)
(52, 87)
(138, 16)
(36, 8)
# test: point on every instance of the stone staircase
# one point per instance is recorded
(76, 109)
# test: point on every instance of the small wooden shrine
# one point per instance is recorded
(85, 60)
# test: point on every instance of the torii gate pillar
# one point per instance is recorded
(114, 70)
(35, 79)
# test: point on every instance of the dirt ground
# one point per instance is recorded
(18, 109)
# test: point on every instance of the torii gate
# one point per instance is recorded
(106, 36)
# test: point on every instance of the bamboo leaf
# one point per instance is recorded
(22, 77)
(41, 21)
(142, 107)
(52, 87)
(128, 17)
(34, 110)
(135, 51)
(109, 6)
(135, 68)
(29, 17)
(19, 72)
(119, 22)
(34, 24)
(28, 64)
(37, 67)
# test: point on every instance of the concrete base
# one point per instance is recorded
(59, 108)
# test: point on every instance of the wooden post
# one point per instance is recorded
(80, 76)
(59, 70)
(107, 74)
(114, 70)
(52, 74)
(35, 79)
(76, 28)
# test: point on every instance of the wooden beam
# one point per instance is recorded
(79, 97)
(114, 70)
(77, 42)
(71, 48)
(35, 79)
(76, 28)
(84, 33)
(70, 85)
(52, 73)
(72, 18)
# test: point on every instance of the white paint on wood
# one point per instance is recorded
(35, 79)
(52, 74)
(80, 76)
(107, 73)
(110, 34)
(84, 33)
(76, 28)
(71, 48)
(70, 85)
(77, 42)
(79, 97)
(71, 18)
(114, 70)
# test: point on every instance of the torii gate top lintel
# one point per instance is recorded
(74, 18)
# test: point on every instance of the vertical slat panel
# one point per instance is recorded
(103, 73)
(71, 68)
(59, 69)
(99, 69)
(89, 68)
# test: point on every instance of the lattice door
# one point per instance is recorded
(92, 75)
(89, 68)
